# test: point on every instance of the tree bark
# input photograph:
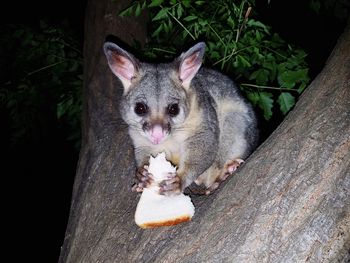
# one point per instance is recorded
(290, 202)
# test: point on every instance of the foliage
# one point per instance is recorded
(268, 69)
(43, 80)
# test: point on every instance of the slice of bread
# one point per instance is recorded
(155, 210)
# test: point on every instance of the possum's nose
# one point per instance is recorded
(157, 134)
(156, 131)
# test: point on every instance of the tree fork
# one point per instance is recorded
(290, 202)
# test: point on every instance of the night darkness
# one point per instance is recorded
(39, 176)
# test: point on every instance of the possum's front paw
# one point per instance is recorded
(143, 179)
(171, 185)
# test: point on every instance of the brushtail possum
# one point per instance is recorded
(193, 114)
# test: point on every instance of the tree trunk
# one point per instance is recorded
(290, 202)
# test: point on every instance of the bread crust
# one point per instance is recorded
(170, 222)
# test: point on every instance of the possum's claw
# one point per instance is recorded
(143, 179)
(233, 165)
(171, 185)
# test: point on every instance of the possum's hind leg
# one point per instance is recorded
(237, 139)
(233, 146)
(229, 168)
(214, 176)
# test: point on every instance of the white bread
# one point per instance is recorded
(155, 210)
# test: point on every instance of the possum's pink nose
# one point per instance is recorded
(157, 134)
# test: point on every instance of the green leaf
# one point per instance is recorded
(170, 25)
(186, 3)
(289, 78)
(266, 103)
(244, 62)
(272, 67)
(286, 102)
(258, 24)
(230, 22)
(199, 2)
(190, 18)
(138, 10)
(179, 11)
(301, 87)
(166, 28)
(157, 31)
(60, 110)
(161, 14)
(261, 76)
(126, 12)
(253, 97)
(203, 22)
(258, 36)
(155, 3)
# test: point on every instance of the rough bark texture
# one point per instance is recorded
(290, 202)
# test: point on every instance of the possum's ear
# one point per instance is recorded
(190, 62)
(124, 65)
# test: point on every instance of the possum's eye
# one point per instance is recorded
(141, 109)
(173, 109)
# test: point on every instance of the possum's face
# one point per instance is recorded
(156, 105)
(156, 100)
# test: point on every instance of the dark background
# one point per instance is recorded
(38, 175)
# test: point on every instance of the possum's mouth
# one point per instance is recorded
(157, 134)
